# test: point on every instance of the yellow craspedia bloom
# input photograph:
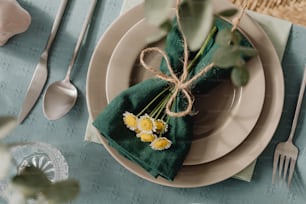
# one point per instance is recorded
(161, 126)
(146, 124)
(146, 137)
(130, 120)
(161, 143)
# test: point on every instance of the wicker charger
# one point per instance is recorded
(291, 10)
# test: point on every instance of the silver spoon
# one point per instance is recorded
(61, 96)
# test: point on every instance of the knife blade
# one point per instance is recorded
(40, 74)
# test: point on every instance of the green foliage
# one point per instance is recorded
(226, 57)
(196, 18)
(228, 12)
(224, 37)
(7, 123)
(157, 11)
(240, 76)
(63, 191)
(32, 183)
(232, 54)
(163, 31)
(5, 159)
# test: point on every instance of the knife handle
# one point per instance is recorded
(56, 24)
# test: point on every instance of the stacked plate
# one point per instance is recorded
(233, 126)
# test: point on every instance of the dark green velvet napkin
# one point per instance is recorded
(165, 163)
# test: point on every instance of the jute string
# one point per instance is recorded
(180, 84)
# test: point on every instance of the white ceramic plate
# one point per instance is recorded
(217, 170)
(225, 116)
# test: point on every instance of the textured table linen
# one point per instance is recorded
(102, 179)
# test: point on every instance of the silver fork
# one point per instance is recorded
(286, 151)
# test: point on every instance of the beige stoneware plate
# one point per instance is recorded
(233, 162)
(225, 116)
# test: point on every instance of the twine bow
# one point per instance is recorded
(180, 84)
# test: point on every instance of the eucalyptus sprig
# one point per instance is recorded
(231, 54)
(31, 182)
(34, 184)
(196, 19)
(7, 123)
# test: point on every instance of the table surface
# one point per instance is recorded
(102, 179)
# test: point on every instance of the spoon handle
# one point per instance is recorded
(80, 39)
(56, 24)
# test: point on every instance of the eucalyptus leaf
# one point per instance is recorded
(236, 38)
(240, 76)
(226, 57)
(157, 11)
(63, 191)
(7, 123)
(5, 159)
(224, 37)
(246, 51)
(228, 12)
(31, 181)
(164, 28)
(196, 18)
(156, 37)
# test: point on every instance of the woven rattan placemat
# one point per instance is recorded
(291, 10)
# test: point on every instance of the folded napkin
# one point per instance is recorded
(110, 123)
(278, 31)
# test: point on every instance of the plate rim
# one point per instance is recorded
(274, 112)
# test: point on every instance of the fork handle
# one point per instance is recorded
(298, 107)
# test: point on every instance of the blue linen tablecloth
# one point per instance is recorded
(102, 179)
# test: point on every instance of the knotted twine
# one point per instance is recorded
(180, 84)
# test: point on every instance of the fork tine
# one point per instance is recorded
(281, 164)
(291, 170)
(275, 162)
(287, 160)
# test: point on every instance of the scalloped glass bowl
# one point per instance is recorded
(41, 155)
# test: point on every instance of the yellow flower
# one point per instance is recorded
(146, 137)
(146, 124)
(130, 120)
(161, 126)
(160, 143)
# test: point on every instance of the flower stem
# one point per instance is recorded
(154, 113)
(200, 52)
(164, 103)
(152, 101)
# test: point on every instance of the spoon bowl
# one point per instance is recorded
(60, 97)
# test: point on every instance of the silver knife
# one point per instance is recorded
(41, 71)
